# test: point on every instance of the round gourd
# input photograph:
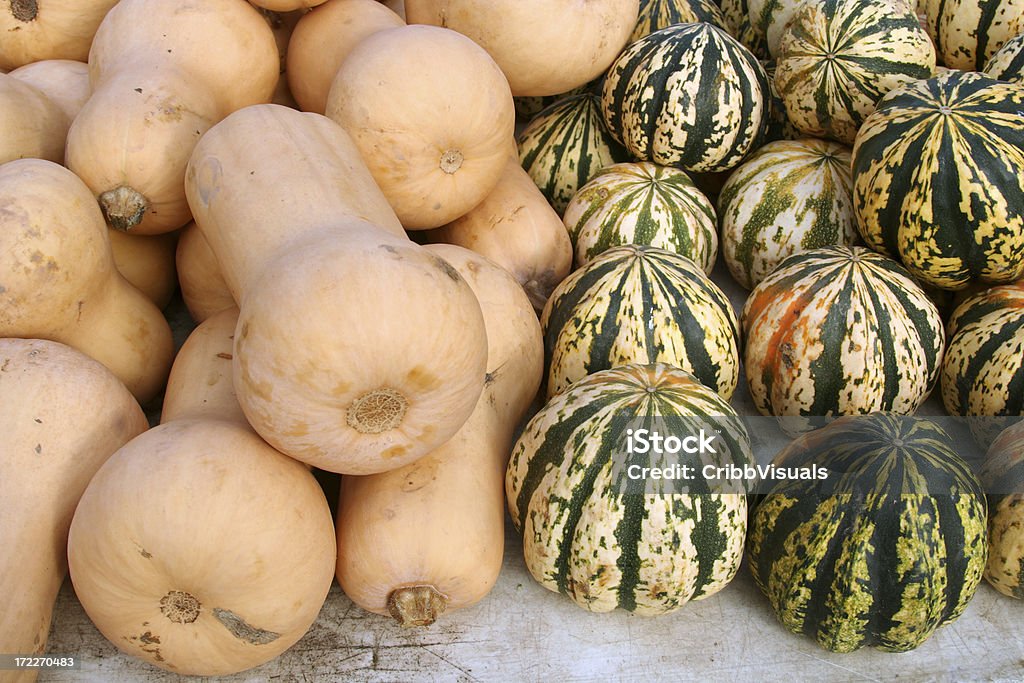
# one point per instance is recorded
(885, 550)
(938, 172)
(642, 203)
(768, 20)
(837, 58)
(791, 195)
(544, 47)
(605, 540)
(839, 331)
(564, 145)
(432, 116)
(1003, 476)
(737, 21)
(658, 14)
(639, 304)
(688, 95)
(968, 32)
(35, 30)
(1007, 63)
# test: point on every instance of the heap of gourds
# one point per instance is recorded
(388, 280)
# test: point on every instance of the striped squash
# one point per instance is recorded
(658, 14)
(768, 18)
(689, 95)
(639, 304)
(1007, 63)
(1003, 475)
(528, 106)
(642, 203)
(983, 370)
(605, 540)
(839, 331)
(938, 179)
(838, 58)
(968, 32)
(887, 549)
(565, 145)
(792, 195)
(779, 126)
(737, 22)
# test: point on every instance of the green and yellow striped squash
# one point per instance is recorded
(779, 126)
(528, 106)
(838, 58)
(564, 145)
(1007, 63)
(968, 32)
(839, 331)
(790, 196)
(640, 304)
(768, 18)
(888, 548)
(604, 539)
(642, 203)
(658, 14)
(983, 370)
(938, 179)
(689, 95)
(1003, 475)
(737, 22)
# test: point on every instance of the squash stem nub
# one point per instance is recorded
(123, 207)
(416, 605)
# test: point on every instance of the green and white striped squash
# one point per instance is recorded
(658, 14)
(689, 95)
(642, 203)
(1003, 476)
(839, 331)
(790, 196)
(564, 145)
(888, 548)
(640, 304)
(838, 58)
(737, 22)
(779, 126)
(983, 370)
(768, 18)
(1007, 63)
(938, 179)
(968, 32)
(528, 106)
(603, 539)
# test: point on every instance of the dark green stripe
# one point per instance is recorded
(828, 369)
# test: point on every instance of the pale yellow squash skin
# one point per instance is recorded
(33, 125)
(202, 284)
(282, 23)
(147, 262)
(64, 81)
(321, 41)
(330, 365)
(545, 47)
(285, 5)
(198, 547)
(35, 30)
(58, 280)
(429, 537)
(162, 73)
(62, 415)
(432, 116)
(515, 227)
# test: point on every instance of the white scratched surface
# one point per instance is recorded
(522, 632)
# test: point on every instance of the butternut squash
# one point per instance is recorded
(285, 6)
(198, 547)
(64, 81)
(432, 116)
(36, 30)
(33, 125)
(147, 262)
(58, 280)
(203, 288)
(331, 366)
(544, 47)
(321, 41)
(62, 415)
(428, 537)
(515, 227)
(162, 73)
(283, 24)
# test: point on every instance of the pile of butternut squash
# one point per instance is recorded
(282, 164)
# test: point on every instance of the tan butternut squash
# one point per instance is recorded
(321, 41)
(147, 262)
(198, 547)
(62, 415)
(330, 366)
(58, 280)
(432, 116)
(515, 227)
(35, 30)
(203, 288)
(544, 47)
(282, 23)
(284, 6)
(33, 125)
(428, 537)
(162, 73)
(64, 81)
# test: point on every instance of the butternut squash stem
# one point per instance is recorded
(416, 605)
(24, 10)
(123, 207)
(377, 411)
